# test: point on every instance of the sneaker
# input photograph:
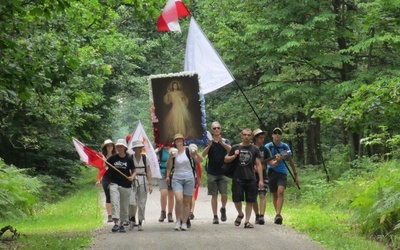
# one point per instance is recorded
(132, 222)
(261, 221)
(140, 228)
(257, 221)
(121, 229)
(191, 216)
(188, 223)
(278, 219)
(170, 219)
(223, 214)
(215, 220)
(109, 218)
(115, 228)
(184, 227)
(126, 223)
(131, 225)
(177, 225)
(162, 216)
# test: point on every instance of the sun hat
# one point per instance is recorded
(275, 129)
(121, 142)
(178, 136)
(173, 152)
(106, 142)
(259, 131)
(137, 144)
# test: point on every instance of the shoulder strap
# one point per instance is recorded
(144, 162)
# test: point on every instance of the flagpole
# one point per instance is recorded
(265, 129)
(116, 169)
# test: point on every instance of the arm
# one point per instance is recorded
(197, 157)
(260, 173)
(205, 151)
(229, 158)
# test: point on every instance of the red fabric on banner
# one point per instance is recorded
(199, 173)
(96, 160)
(168, 20)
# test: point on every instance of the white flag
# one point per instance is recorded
(202, 57)
(140, 134)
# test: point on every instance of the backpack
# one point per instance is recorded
(229, 168)
(192, 163)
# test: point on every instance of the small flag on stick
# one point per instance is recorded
(169, 19)
(91, 157)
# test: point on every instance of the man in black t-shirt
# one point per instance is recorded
(244, 185)
(216, 150)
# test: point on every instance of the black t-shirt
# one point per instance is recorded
(245, 161)
(216, 155)
(265, 154)
(125, 165)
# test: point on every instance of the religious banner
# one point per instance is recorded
(177, 107)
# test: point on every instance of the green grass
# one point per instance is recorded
(331, 228)
(64, 225)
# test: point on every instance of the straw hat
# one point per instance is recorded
(121, 142)
(137, 144)
(178, 136)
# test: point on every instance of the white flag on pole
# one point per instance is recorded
(140, 134)
(202, 57)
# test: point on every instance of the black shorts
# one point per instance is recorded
(244, 190)
(276, 179)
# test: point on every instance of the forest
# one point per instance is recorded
(326, 72)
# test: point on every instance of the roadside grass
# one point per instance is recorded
(66, 224)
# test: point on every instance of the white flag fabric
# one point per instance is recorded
(140, 134)
(202, 57)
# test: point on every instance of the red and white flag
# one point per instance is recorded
(140, 134)
(169, 19)
(91, 157)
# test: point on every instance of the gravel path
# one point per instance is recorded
(203, 234)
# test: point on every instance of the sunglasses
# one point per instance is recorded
(277, 133)
(215, 128)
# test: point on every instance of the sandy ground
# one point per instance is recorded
(203, 234)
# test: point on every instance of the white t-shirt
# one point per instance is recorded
(183, 169)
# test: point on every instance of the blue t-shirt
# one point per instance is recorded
(280, 167)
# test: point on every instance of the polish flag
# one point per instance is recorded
(173, 10)
(91, 157)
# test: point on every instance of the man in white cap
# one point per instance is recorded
(277, 175)
(121, 175)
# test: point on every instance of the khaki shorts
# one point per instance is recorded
(217, 183)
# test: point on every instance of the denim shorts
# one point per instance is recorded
(185, 185)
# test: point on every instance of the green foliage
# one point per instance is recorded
(18, 192)
(377, 207)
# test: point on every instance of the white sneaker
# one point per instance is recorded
(184, 227)
(178, 225)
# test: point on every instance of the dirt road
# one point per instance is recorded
(203, 234)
